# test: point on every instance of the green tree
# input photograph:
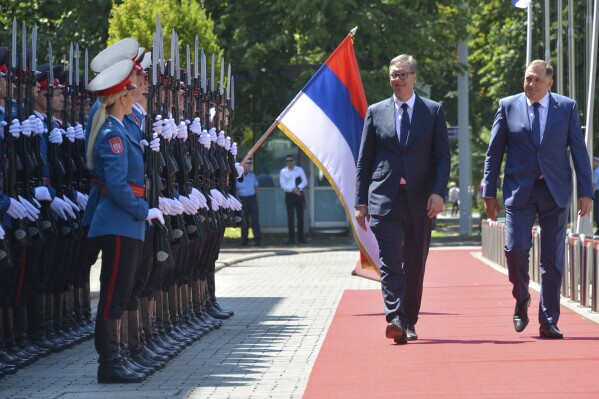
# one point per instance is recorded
(187, 17)
(60, 22)
(278, 45)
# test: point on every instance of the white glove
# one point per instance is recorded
(220, 139)
(212, 133)
(155, 144)
(163, 205)
(190, 209)
(79, 133)
(15, 128)
(55, 136)
(195, 202)
(228, 143)
(2, 124)
(39, 126)
(195, 127)
(175, 206)
(158, 125)
(32, 211)
(155, 213)
(62, 208)
(182, 131)
(195, 193)
(173, 126)
(41, 193)
(205, 139)
(214, 193)
(236, 204)
(1, 233)
(26, 127)
(71, 203)
(239, 170)
(81, 200)
(70, 134)
(16, 210)
(213, 204)
(234, 149)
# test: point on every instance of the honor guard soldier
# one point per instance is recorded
(116, 159)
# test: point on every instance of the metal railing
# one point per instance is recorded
(580, 281)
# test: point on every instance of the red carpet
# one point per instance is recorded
(467, 347)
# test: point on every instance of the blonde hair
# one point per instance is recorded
(99, 119)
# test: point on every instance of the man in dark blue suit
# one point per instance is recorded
(537, 128)
(402, 174)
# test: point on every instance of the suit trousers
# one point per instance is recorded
(553, 222)
(295, 203)
(403, 237)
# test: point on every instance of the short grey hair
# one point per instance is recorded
(405, 58)
(543, 64)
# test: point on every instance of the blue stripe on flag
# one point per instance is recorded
(332, 97)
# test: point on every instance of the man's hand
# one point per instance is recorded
(492, 208)
(362, 216)
(434, 205)
(585, 205)
(297, 191)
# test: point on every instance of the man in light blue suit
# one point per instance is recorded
(536, 128)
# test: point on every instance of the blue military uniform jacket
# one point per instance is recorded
(118, 164)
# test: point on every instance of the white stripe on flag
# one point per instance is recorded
(320, 136)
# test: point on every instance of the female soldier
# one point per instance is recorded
(115, 157)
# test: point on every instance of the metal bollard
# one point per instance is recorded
(595, 276)
(575, 246)
(585, 267)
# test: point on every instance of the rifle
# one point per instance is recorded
(162, 246)
(178, 224)
(193, 224)
(46, 220)
(12, 159)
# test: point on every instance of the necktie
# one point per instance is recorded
(536, 125)
(404, 128)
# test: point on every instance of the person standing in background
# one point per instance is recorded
(293, 181)
(246, 190)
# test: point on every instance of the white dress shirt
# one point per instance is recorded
(288, 176)
(543, 109)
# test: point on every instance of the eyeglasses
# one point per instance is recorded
(289, 160)
(400, 75)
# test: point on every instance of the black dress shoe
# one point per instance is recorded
(411, 332)
(521, 315)
(396, 331)
(550, 331)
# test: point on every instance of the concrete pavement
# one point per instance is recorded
(283, 304)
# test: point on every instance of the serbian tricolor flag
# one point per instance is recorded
(326, 120)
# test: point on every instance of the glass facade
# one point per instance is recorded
(323, 208)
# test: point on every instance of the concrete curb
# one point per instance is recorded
(280, 252)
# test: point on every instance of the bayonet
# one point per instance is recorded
(221, 82)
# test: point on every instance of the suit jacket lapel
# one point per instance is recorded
(524, 117)
(390, 119)
(550, 118)
(415, 122)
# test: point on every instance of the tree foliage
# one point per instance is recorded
(59, 21)
(186, 17)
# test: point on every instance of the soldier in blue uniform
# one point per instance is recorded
(118, 220)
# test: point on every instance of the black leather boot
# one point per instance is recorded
(111, 369)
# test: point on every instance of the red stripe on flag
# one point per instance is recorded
(115, 270)
(343, 63)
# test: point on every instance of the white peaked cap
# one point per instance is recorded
(147, 61)
(126, 49)
(113, 79)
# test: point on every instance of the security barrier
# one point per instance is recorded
(581, 269)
